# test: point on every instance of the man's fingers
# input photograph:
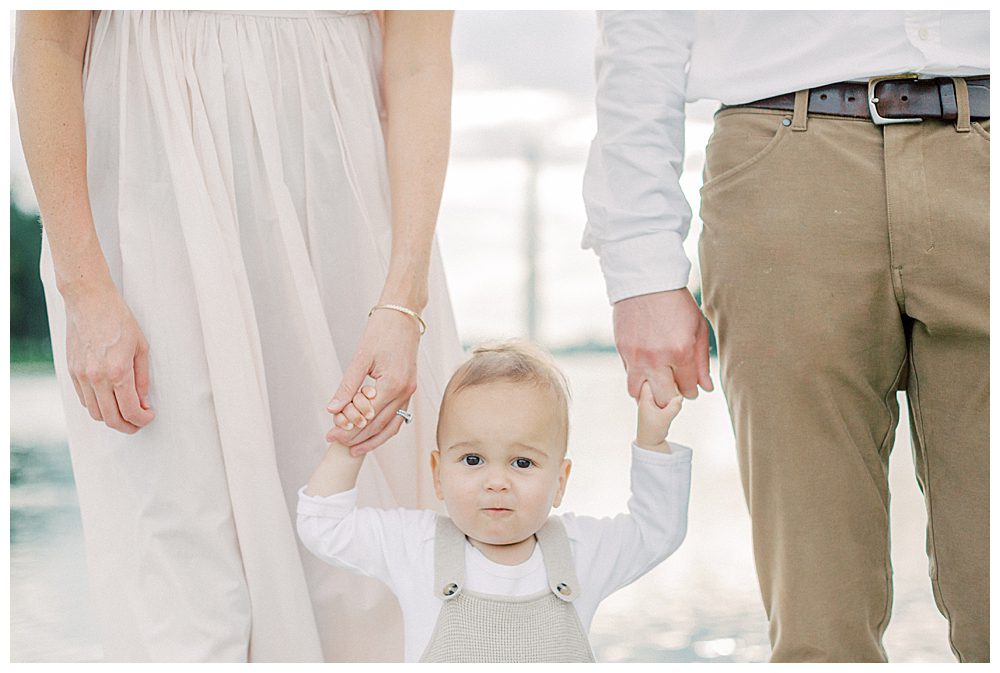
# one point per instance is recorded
(635, 381)
(374, 442)
(354, 376)
(701, 353)
(686, 378)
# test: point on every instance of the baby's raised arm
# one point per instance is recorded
(338, 471)
(653, 422)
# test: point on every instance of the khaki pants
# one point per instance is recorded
(842, 262)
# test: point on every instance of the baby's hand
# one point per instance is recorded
(358, 411)
(654, 422)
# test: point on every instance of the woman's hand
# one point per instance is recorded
(107, 357)
(105, 348)
(416, 84)
(388, 354)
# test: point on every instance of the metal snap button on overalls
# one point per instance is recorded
(475, 627)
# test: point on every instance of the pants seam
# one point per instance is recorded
(895, 270)
(886, 615)
(919, 422)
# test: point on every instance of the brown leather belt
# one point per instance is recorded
(892, 99)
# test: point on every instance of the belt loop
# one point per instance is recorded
(800, 110)
(964, 123)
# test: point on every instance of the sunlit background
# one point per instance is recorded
(510, 228)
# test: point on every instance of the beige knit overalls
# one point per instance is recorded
(474, 627)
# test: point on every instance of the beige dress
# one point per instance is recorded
(239, 187)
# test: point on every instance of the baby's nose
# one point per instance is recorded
(497, 480)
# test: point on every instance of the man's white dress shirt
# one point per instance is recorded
(650, 63)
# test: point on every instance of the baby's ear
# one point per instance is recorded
(436, 472)
(564, 471)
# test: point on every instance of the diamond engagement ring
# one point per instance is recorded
(406, 415)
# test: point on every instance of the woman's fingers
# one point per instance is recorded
(109, 409)
(107, 356)
(354, 376)
(140, 368)
(383, 418)
(78, 389)
(129, 403)
(377, 440)
(90, 401)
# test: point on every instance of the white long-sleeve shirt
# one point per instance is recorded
(396, 546)
(650, 63)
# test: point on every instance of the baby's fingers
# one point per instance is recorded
(354, 416)
(673, 408)
(363, 404)
(342, 422)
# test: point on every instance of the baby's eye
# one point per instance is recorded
(522, 463)
(471, 459)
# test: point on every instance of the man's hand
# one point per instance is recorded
(663, 339)
(654, 423)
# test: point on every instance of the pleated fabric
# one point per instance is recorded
(238, 181)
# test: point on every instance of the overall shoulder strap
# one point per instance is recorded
(449, 559)
(558, 559)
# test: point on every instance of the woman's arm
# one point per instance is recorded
(106, 350)
(416, 83)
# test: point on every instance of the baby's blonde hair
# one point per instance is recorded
(515, 361)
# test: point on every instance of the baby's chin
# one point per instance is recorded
(493, 539)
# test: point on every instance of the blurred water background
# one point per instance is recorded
(510, 229)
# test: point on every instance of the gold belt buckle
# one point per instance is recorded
(872, 100)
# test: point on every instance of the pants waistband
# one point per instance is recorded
(893, 99)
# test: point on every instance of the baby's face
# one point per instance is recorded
(500, 466)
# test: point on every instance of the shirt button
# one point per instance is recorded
(563, 589)
(450, 589)
(923, 33)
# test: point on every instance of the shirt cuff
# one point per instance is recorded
(679, 455)
(653, 262)
(337, 505)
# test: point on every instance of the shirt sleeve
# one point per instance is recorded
(637, 215)
(611, 553)
(379, 543)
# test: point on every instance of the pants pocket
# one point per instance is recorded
(740, 141)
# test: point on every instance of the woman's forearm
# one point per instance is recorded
(417, 80)
(48, 91)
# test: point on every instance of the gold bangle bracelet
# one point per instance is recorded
(401, 309)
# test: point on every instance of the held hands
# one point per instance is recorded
(663, 338)
(654, 423)
(365, 419)
(107, 356)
